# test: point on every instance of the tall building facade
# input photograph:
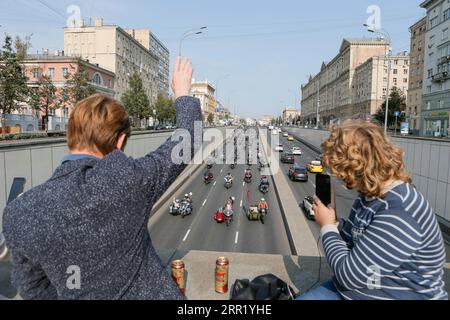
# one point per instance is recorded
(114, 49)
(329, 94)
(417, 56)
(149, 40)
(435, 114)
(370, 83)
(206, 93)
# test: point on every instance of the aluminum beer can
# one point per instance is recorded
(222, 269)
(178, 274)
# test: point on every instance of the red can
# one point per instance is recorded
(178, 274)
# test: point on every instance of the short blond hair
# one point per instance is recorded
(361, 154)
(96, 123)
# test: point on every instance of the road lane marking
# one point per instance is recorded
(241, 204)
(204, 202)
(313, 184)
(345, 187)
(187, 235)
(215, 182)
(221, 170)
(236, 238)
(243, 184)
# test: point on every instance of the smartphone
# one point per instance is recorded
(323, 188)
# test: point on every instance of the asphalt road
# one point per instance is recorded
(200, 232)
(344, 197)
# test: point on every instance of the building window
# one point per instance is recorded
(395, 71)
(441, 104)
(97, 79)
(405, 80)
(428, 89)
(405, 71)
(430, 73)
(65, 72)
(445, 34)
(428, 105)
(51, 73)
(446, 14)
(434, 22)
(36, 73)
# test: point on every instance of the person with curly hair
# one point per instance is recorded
(391, 247)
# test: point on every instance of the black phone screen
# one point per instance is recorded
(323, 188)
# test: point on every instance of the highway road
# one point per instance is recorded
(344, 197)
(200, 232)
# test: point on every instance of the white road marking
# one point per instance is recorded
(221, 170)
(187, 235)
(243, 184)
(313, 184)
(204, 202)
(344, 187)
(215, 182)
(241, 204)
(237, 238)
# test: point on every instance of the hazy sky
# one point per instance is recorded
(268, 48)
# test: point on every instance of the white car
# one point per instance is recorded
(296, 151)
(279, 148)
(307, 206)
(274, 132)
(280, 131)
(285, 134)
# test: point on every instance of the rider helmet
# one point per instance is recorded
(263, 200)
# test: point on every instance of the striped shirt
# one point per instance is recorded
(390, 248)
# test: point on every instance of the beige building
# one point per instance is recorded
(114, 49)
(149, 40)
(290, 115)
(371, 80)
(329, 94)
(206, 93)
(416, 71)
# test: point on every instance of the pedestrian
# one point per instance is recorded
(391, 247)
(83, 234)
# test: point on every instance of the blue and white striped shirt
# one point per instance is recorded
(390, 248)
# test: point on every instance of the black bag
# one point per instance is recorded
(267, 287)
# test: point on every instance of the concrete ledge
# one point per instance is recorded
(299, 272)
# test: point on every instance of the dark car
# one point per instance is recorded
(298, 173)
(288, 158)
(160, 127)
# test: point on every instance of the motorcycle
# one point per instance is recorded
(248, 178)
(185, 208)
(181, 208)
(228, 183)
(263, 214)
(228, 216)
(264, 188)
(208, 179)
(233, 166)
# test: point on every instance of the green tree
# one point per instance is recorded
(22, 47)
(77, 87)
(165, 109)
(397, 103)
(13, 81)
(135, 99)
(43, 98)
(210, 119)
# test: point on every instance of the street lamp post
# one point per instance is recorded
(188, 34)
(385, 34)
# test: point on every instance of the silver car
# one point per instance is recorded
(307, 206)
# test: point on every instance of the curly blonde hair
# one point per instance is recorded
(359, 153)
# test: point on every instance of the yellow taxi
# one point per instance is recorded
(290, 138)
(315, 167)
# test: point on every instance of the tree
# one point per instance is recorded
(77, 87)
(43, 98)
(397, 103)
(136, 100)
(13, 81)
(22, 47)
(210, 119)
(165, 109)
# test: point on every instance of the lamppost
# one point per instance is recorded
(188, 34)
(385, 34)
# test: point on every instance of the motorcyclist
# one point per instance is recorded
(229, 177)
(248, 173)
(188, 197)
(231, 200)
(263, 205)
(264, 182)
(208, 175)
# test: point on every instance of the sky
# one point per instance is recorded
(258, 52)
